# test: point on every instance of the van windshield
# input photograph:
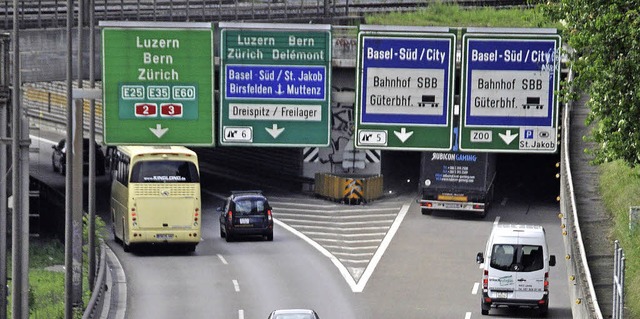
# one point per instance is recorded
(520, 258)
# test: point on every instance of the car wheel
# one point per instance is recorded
(222, 235)
(229, 237)
(485, 312)
(270, 236)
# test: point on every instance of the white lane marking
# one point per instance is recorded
(474, 291)
(276, 201)
(240, 314)
(224, 261)
(338, 210)
(355, 286)
(467, 315)
(236, 286)
(217, 195)
(43, 140)
(121, 281)
(383, 247)
(495, 222)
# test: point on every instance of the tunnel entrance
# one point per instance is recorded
(518, 175)
(400, 171)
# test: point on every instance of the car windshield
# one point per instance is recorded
(251, 206)
(164, 172)
(294, 316)
(521, 258)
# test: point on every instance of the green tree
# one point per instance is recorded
(604, 36)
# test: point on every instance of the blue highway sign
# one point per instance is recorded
(275, 82)
(508, 92)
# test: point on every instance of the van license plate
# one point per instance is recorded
(244, 221)
(502, 295)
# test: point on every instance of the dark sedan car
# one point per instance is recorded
(59, 157)
(246, 213)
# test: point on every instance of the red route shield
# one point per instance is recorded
(146, 109)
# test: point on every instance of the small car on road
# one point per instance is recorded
(59, 157)
(246, 213)
(294, 314)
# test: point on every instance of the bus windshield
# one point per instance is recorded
(164, 172)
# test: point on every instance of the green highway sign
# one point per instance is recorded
(509, 80)
(157, 83)
(404, 88)
(275, 84)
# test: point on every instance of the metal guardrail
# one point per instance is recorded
(618, 281)
(581, 288)
(94, 307)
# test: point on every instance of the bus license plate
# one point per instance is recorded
(245, 221)
(164, 236)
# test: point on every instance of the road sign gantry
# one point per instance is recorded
(404, 88)
(157, 83)
(275, 84)
(509, 80)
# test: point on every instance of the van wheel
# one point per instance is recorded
(485, 308)
(543, 311)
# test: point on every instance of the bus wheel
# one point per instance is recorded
(125, 246)
(115, 236)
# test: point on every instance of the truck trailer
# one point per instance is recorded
(457, 181)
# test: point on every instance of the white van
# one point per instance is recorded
(516, 269)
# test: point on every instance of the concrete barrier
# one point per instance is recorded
(348, 188)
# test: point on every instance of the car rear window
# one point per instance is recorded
(164, 172)
(251, 206)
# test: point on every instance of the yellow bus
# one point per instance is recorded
(155, 196)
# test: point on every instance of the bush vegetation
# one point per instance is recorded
(47, 275)
(620, 186)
